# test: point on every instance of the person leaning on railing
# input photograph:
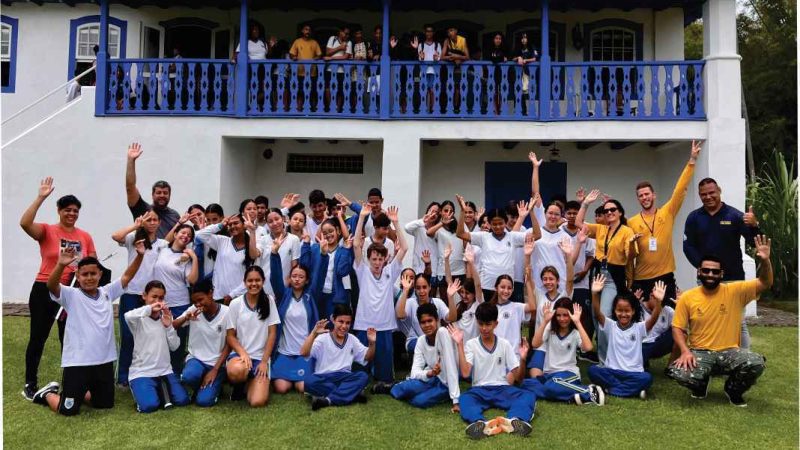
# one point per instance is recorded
(304, 48)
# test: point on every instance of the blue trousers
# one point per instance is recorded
(127, 302)
(660, 347)
(177, 357)
(518, 402)
(620, 383)
(382, 365)
(341, 388)
(557, 386)
(149, 396)
(411, 345)
(422, 394)
(192, 376)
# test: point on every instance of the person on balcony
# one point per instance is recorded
(256, 50)
(497, 54)
(338, 48)
(524, 55)
(305, 48)
(162, 192)
(429, 51)
(455, 50)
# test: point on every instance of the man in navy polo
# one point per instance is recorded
(716, 229)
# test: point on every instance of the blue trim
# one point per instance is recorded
(12, 60)
(73, 38)
(544, 63)
(636, 28)
(385, 63)
(240, 88)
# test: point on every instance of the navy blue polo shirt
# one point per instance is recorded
(718, 235)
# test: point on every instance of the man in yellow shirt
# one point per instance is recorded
(304, 48)
(653, 226)
(711, 316)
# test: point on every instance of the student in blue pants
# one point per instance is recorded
(560, 335)
(330, 261)
(333, 383)
(494, 366)
(623, 373)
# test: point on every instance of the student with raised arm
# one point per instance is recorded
(559, 334)
(204, 371)
(333, 383)
(88, 370)
(493, 365)
(614, 255)
(418, 229)
(654, 227)
(51, 239)
(144, 228)
(162, 192)
(622, 374)
(376, 295)
(154, 338)
(434, 371)
(235, 252)
(406, 308)
(516, 218)
(297, 308)
(289, 250)
(581, 294)
(513, 315)
(444, 234)
(470, 296)
(330, 261)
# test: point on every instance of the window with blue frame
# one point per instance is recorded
(614, 40)
(8, 53)
(84, 37)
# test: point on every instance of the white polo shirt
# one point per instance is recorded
(412, 305)
(207, 337)
(426, 356)
(624, 346)
(497, 255)
(376, 296)
(251, 332)
(510, 317)
(490, 366)
(560, 351)
(332, 357)
(289, 251)
(152, 342)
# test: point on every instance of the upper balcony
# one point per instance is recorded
(610, 79)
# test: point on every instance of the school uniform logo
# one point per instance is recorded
(301, 372)
(633, 338)
(508, 244)
(219, 328)
(500, 360)
(569, 347)
(723, 309)
(506, 315)
(69, 402)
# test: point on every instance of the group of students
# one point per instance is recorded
(277, 300)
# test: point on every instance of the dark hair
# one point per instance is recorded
(215, 208)
(305, 269)
(316, 196)
(632, 300)
(297, 207)
(334, 223)
(453, 225)
(196, 206)
(423, 276)
(68, 200)
(276, 211)
(431, 204)
(429, 309)
(712, 258)
(495, 297)
(248, 261)
(616, 203)
(162, 185)
(244, 204)
(572, 205)
(204, 286)
(486, 312)
(557, 204)
(154, 284)
(262, 304)
(472, 206)
(566, 303)
(375, 192)
(378, 248)
(644, 184)
(706, 181)
(141, 235)
(599, 210)
(261, 200)
(342, 309)
(551, 270)
(511, 210)
(182, 226)
(382, 220)
(88, 261)
(519, 41)
(462, 307)
(496, 212)
(502, 38)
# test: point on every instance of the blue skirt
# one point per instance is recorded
(289, 368)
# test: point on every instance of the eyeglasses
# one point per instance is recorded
(610, 210)
(706, 271)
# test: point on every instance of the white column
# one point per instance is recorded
(400, 177)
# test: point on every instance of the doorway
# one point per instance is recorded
(511, 182)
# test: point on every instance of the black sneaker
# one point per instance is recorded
(589, 357)
(360, 398)
(700, 392)
(238, 392)
(475, 430)
(736, 399)
(521, 428)
(29, 391)
(319, 403)
(597, 395)
(40, 397)
(381, 388)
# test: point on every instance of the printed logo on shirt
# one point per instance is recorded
(499, 360)
(506, 315)
(723, 309)
(351, 351)
(219, 328)
(69, 402)
(301, 372)
(508, 244)
(633, 338)
(569, 347)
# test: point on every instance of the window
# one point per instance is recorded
(318, 163)
(8, 53)
(613, 44)
(84, 35)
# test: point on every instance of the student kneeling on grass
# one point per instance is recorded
(494, 366)
(153, 340)
(333, 382)
(434, 372)
(89, 347)
(622, 374)
(204, 371)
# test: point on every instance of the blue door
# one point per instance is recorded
(511, 181)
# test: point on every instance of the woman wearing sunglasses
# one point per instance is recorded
(614, 254)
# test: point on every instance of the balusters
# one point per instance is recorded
(555, 92)
(268, 88)
(164, 90)
(320, 107)
(252, 91)
(230, 89)
(217, 87)
(408, 90)
(669, 91)
(372, 84)
(533, 91)
(307, 88)
(462, 90)
(191, 85)
(570, 92)
(699, 110)
(626, 91)
(504, 91)
(126, 87)
(655, 85)
(294, 86)
(204, 87)
(584, 107)
(518, 96)
(683, 91)
(640, 91)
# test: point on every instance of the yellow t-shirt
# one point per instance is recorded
(652, 264)
(305, 49)
(617, 243)
(714, 321)
(460, 45)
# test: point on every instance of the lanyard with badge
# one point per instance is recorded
(652, 243)
(604, 262)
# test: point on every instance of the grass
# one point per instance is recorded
(788, 305)
(670, 418)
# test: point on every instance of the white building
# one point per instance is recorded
(613, 95)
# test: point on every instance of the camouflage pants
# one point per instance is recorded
(743, 368)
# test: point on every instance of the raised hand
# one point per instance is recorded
(429, 219)
(524, 348)
(67, 256)
(391, 213)
(46, 187)
(426, 256)
(537, 200)
(534, 160)
(598, 283)
(372, 335)
(447, 217)
(580, 194)
(453, 287)
(184, 218)
(321, 327)
(342, 199)
(583, 235)
(529, 245)
(348, 243)
(696, 147)
(575, 315)
(455, 333)
(547, 312)
(139, 246)
(461, 203)
(469, 254)
(305, 237)
(249, 224)
(134, 151)
(393, 41)
(199, 219)
(323, 245)
(194, 314)
(639, 294)
(166, 317)
(592, 196)
(137, 222)
(407, 283)
(277, 242)
(366, 209)
(566, 246)
(289, 200)
(763, 245)
(634, 238)
(415, 42)
(448, 250)
(522, 209)
(480, 213)
(749, 218)
(658, 291)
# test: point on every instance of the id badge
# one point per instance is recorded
(653, 244)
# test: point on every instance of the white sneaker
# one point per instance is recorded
(597, 395)
(643, 394)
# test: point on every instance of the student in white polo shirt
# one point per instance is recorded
(289, 250)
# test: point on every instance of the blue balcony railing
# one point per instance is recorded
(641, 90)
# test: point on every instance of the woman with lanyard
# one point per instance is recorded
(614, 255)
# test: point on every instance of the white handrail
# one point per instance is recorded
(43, 98)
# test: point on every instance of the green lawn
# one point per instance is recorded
(670, 418)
